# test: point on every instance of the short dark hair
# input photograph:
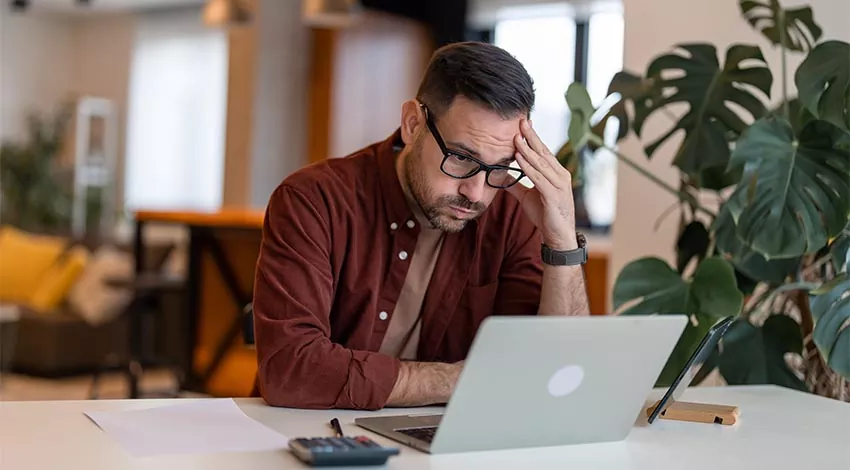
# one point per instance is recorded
(481, 72)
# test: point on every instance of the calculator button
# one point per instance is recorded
(339, 444)
(366, 442)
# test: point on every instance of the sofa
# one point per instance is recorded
(70, 314)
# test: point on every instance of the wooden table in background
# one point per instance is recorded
(222, 255)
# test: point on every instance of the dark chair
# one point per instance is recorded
(248, 338)
(144, 314)
(248, 325)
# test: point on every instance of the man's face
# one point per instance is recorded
(467, 129)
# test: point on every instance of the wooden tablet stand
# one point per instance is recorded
(698, 412)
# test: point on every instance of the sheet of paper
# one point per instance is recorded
(214, 425)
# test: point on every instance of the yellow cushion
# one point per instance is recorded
(24, 259)
(58, 280)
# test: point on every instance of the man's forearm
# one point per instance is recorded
(563, 291)
(424, 383)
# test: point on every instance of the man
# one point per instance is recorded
(376, 269)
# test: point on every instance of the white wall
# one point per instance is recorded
(102, 54)
(280, 97)
(36, 68)
(651, 28)
(48, 58)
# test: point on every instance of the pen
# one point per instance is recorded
(336, 427)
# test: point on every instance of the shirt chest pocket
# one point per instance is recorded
(476, 303)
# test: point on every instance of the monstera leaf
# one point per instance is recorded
(748, 262)
(581, 110)
(631, 88)
(840, 251)
(823, 82)
(692, 75)
(756, 355)
(692, 243)
(830, 307)
(794, 30)
(658, 289)
(793, 195)
(799, 115)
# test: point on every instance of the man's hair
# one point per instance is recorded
(480, 72)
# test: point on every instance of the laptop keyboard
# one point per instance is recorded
(424, 434)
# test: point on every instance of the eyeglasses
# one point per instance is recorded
(462, 166)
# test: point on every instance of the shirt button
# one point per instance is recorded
(393, 226)
(383, 315)
(402, 255)
(410, 224)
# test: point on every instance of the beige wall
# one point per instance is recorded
(36, 67)
(103, 49)
(47, 58)
(267, 96)
(280, 113)
(378, 65)
(242, 49)
(651, 28)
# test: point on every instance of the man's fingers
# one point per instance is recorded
(540, 181)
(537, 162)
(538, 146)
(533, 139)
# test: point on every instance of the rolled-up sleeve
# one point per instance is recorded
(299, 365)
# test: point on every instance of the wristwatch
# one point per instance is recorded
(568, 257)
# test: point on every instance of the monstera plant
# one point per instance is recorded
(773, 251)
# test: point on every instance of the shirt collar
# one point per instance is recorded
(395, 202)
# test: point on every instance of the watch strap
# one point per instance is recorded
(574, 257)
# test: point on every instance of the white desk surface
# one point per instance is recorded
(778, 429)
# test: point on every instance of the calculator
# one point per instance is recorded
(340, 451)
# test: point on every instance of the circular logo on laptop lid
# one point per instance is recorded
(565, 380)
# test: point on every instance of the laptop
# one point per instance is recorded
(544, 381)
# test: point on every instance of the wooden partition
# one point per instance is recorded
(360, 77)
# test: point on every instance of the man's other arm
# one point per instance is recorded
(528, 286)
(298, 364)
(564, 291)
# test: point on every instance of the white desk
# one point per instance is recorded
(778, 429)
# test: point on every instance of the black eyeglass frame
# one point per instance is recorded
(447, 152)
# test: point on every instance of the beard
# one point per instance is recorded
(435, 208)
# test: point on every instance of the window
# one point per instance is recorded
(604, 52)
(176, 115)
(558, 45)
(604, 59)
(543, 38)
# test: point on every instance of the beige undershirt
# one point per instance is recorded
(402, 337)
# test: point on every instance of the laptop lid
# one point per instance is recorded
(543, 381)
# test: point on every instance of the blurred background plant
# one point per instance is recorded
(36, 186)
(773, 250)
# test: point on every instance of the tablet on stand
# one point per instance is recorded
(669, 407)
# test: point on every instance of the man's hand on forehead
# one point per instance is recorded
(549, 204)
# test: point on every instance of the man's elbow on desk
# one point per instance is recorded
(362, 383)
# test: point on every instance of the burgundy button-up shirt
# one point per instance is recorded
(333, 257)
